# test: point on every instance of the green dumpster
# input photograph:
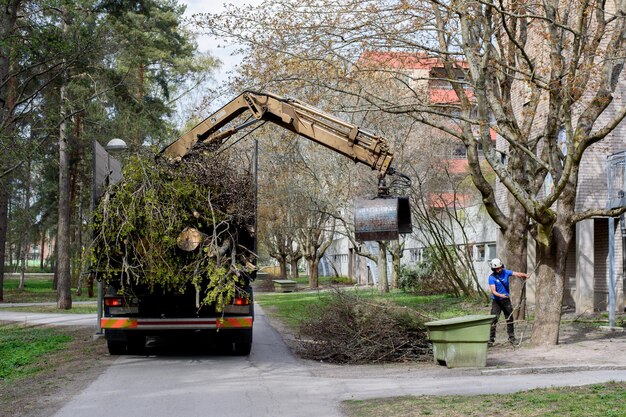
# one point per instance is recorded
(460, 341)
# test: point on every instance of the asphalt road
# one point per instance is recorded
(272, 382)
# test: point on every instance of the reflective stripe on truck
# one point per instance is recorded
(164, 324)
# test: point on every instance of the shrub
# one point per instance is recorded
(341, 280)
(425, 279)
(349, 329)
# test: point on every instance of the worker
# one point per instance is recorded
(501, 298)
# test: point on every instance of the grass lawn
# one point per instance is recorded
(42, 367)
(36, 291)
(601, 400)
(292, 307)
(289, 307)
(23, 348)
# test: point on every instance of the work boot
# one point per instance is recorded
(490, 343)
(514, 341)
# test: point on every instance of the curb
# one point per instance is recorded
(552, 369)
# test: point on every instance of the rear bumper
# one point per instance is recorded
(135, 323)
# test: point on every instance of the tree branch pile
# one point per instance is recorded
(170, 225)
(353, 330)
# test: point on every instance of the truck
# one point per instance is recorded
(129, 322)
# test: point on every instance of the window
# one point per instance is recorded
(491, 250)
(341, 259)
(480, 253)
(414, 255)
(459, 152)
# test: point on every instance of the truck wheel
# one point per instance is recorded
(242, 348)
(136, 345)
(116, 347)
(243, 344)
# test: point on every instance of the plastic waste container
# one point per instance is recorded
(460, 341)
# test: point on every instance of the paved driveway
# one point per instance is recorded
(272, 382)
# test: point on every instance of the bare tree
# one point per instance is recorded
(542, 76)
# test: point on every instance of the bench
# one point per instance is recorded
(284, 285)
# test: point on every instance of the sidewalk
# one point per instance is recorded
(33, 319)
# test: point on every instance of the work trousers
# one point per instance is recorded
(502, 305)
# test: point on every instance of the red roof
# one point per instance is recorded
(443, 200)
(400, 60)
(457, 166)
(442, 96)
(404, 60)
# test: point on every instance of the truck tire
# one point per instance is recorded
(243, 344)
(242, 348)
(136, 345)
(116, 347)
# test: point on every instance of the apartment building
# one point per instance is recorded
(426, 78)
(602, 172)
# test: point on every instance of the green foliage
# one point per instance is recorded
(341, 280)
(429, 276)
(411, 279)
(139, 220)
(22, 347)
(122, 67)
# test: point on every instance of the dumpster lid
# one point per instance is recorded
(459, 320)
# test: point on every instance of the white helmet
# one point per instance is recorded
(495, 263)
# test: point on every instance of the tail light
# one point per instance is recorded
(239, 305)
(241, 301)
(114, 301)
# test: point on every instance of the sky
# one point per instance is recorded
(209, 44)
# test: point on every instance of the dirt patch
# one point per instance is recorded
(580, 344)
(65, 374)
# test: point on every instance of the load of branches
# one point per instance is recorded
(168, 225)
(353, 330)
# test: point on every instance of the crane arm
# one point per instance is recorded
(310, 122)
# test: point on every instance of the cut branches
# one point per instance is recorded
(170, 226)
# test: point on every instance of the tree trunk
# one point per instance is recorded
(64, 300)
(8, 19)
(552, 248)
(282, 263)
(313, 275)
(25, 226)
(4, 201)
(23, 261)
(396, 257)
(294, 268)
(41, 250)
(514, 257)
(55, 280)
(90, 282)
(383, 281)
